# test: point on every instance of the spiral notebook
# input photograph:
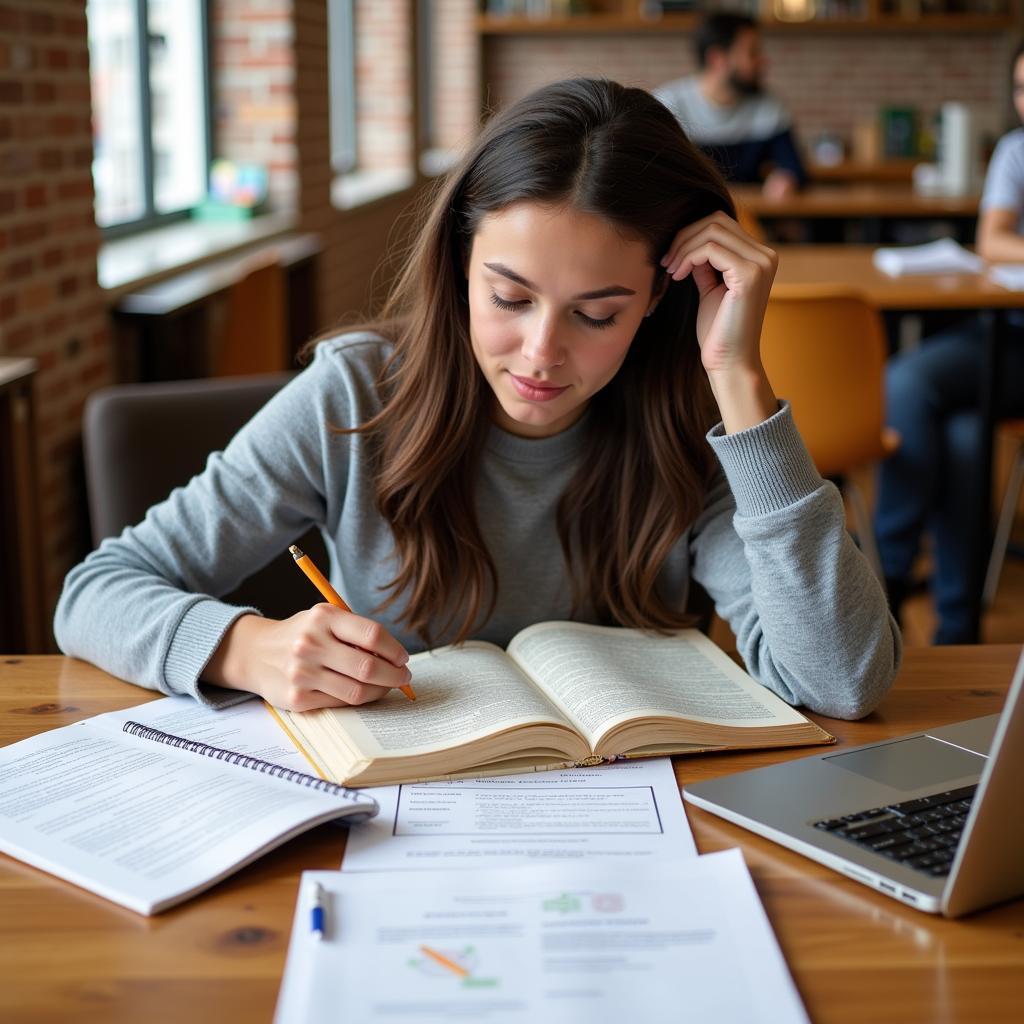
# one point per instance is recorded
(147, 817)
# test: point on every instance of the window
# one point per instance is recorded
(341, 35)
(404, 91)
(151, 114)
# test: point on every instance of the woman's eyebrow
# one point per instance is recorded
(599, 293)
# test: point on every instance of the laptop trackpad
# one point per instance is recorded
(911, 764)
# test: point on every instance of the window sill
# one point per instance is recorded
(350, 191)
(127, 264)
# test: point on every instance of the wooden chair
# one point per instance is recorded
(143, 440)
(825, 350)
(1008, 512)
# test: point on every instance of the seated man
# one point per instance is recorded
(724, 110)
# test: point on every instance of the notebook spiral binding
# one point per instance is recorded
(246, 761)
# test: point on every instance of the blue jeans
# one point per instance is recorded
(932, 481)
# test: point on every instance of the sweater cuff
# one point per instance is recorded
(767, 466)
(199, 632)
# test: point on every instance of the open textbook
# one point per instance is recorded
(146, 807)
(573, 943)
(563, 694)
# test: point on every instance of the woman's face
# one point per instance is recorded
(555, 297)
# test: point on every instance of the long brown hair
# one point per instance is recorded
(603, 149)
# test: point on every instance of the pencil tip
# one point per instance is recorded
(296, 553)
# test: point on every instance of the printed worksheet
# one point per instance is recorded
(626, 812)
(571, 943)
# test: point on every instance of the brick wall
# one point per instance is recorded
(51, 306)
(829, 82)
(384, 70)
(253, 63)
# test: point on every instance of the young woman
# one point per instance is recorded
(932, 481)
(520, 438)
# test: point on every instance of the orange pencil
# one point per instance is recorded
(323, 584)
(445, 962)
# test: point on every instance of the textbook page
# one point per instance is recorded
(603, 676)
(626, 813)
(462, 693)
(139, 822)
(247, 728)
(574, 943)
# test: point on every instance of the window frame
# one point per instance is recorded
(151, 218)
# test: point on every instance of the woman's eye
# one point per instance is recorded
(608, 321)
(508, 304)
(512, 305)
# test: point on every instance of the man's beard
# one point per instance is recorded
(744, 86)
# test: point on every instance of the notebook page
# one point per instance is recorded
(138, 822)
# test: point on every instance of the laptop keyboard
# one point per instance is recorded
(922, 834)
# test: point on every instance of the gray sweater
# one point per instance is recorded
(770, 546)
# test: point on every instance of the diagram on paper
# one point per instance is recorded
(445, 962)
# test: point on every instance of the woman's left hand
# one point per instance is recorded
(733, 274)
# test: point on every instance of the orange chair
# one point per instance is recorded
(750, 223)
(1015, 428)
(824, 350)
(254, 338)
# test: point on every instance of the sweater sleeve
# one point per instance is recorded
(145, 605)
(771, 548)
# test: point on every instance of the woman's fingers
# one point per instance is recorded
(327, 665)
(361, 632)
(720, 228)
(741, 247)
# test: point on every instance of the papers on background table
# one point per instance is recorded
(942, 257)
(549, 942)
(1008, 275)
(625, 812)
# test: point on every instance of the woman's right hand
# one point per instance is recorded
(320, 658)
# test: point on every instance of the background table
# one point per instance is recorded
(862, 212)
(855, 955)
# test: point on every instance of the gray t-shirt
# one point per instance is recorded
(753, 118)
(770, 547)
(1004, 180)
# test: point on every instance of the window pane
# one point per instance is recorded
(177, 103)
(342, 67)
(449, 82)
(117, 167)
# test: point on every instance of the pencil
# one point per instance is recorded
(445, 962)
(323, 584)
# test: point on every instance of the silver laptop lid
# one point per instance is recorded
(989, 863)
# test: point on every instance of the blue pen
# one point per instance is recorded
(317, 912)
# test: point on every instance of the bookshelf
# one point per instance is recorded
(552, 17)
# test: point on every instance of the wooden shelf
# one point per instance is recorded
(614, 24)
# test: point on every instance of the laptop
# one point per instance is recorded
(932, 818)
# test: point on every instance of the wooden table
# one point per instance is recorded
(859, 212)
(846, 201)
(850, 266)
(855, 955)
(803, 268)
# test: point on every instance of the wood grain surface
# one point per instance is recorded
(856, 956)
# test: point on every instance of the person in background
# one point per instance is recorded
(725, 110)
(932, 481)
